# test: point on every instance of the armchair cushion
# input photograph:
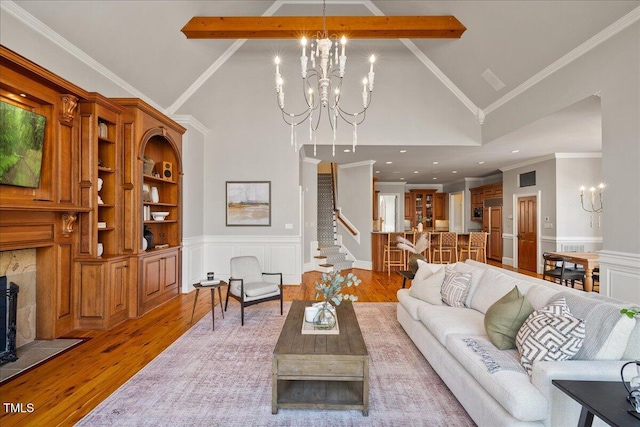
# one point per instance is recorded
(260, 288)
(247, 268)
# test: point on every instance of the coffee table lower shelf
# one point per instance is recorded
(320, 394)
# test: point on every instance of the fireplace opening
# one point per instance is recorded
(8, 312)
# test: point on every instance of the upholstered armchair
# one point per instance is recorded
(247, 284)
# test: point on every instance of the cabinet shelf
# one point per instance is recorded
(107, 140)
(106, 229)
(106, 205)
(166, 221)
(157, 179)
(105, 169)
(169, 205)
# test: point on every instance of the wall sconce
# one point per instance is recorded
(592, 198)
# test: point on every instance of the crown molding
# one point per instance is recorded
(40, 27)
(431, 66)
(604, 35)
(311, 160)
(357, 164)
(578, 155)
(197, 84)
(528, 162)
(187, 119)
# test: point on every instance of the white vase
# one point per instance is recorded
(144, 244)
(100, 249)
(155, 197)
(420, 227)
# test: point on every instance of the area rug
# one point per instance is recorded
(223, 378)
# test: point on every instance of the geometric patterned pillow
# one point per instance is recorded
(455, 287)
(550, 333)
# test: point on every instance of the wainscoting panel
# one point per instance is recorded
(620, 275)
(192, 262)
(278, 254)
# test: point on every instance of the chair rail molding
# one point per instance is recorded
(620, 275)
(276, 253)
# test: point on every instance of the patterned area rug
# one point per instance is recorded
(223, 378)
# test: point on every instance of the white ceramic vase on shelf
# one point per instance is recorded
(155, 197)
(100, 249)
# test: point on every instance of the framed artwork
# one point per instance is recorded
(248, 203)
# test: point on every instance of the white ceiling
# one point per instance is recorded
(141, 43)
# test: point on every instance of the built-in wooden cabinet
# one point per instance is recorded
(159, 279)
(426, 206)
(492, 224)
(480, 194)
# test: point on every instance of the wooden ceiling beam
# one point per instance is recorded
(353, 27)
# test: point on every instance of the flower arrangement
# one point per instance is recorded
(420, 246)
(331, 285)
(416, 250)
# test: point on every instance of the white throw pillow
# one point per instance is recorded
(550, 333)
(455, 287)
(425, 269)
(428, 289)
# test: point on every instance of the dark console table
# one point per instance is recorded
(605, 399)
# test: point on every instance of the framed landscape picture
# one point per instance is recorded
(248, 203)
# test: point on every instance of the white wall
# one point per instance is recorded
(355, 200)
(397, 189)
(613, 70)
(310, 208)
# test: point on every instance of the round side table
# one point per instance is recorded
(206, 284)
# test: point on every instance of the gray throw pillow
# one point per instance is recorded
(503, 319)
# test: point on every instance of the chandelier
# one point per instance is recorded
(322, 87)
(592, 198)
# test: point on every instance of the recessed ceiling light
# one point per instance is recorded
(481, 163)
(24, 95)
(401, 179)
(416, 172)
(454, 171)
(389, 163)
(403, 151)
(347, 150)
(435, 163)
(515, 151)
(377, 171)
(435, 177)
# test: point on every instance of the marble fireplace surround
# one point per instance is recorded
(20, 268)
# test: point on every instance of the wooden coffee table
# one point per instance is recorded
(320, 371)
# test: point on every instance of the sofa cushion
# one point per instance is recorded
(455, 287)
(428, 289)
(513, 390)
(444, 320)
(492, 286)
(425, 269)
(503, 319)
(409, 303)
(550, 333)
(476, 275)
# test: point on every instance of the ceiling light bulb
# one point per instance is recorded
(515, 151)
(24, 95)
(372, 59)
(388, 163)
(347, 150)
(415, 172)
(365, 81)
(303, 41)
(343, 40)
(454, 171)
(481, 163)
(435, 163)
(403, 151)
(377, 171)
(277, 59)
(434, 178)
(401, 179)
(310, 91)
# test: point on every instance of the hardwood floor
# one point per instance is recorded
(63, 390)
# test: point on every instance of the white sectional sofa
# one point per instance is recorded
(508, 397)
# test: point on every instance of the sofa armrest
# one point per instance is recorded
(563, 410)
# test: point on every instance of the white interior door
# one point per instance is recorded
(456, 212)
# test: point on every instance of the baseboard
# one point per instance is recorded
(363, 265)
(507, 261)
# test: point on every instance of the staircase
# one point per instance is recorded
(330, 255)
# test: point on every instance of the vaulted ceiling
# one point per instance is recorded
(138, 46)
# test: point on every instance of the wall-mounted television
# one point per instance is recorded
(21, 146)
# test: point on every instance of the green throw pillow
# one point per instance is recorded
(505, 317)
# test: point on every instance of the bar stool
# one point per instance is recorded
(393, 255)
(477, 245)
(448, 244)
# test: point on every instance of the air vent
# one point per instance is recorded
(492, 79)
(572, 248)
